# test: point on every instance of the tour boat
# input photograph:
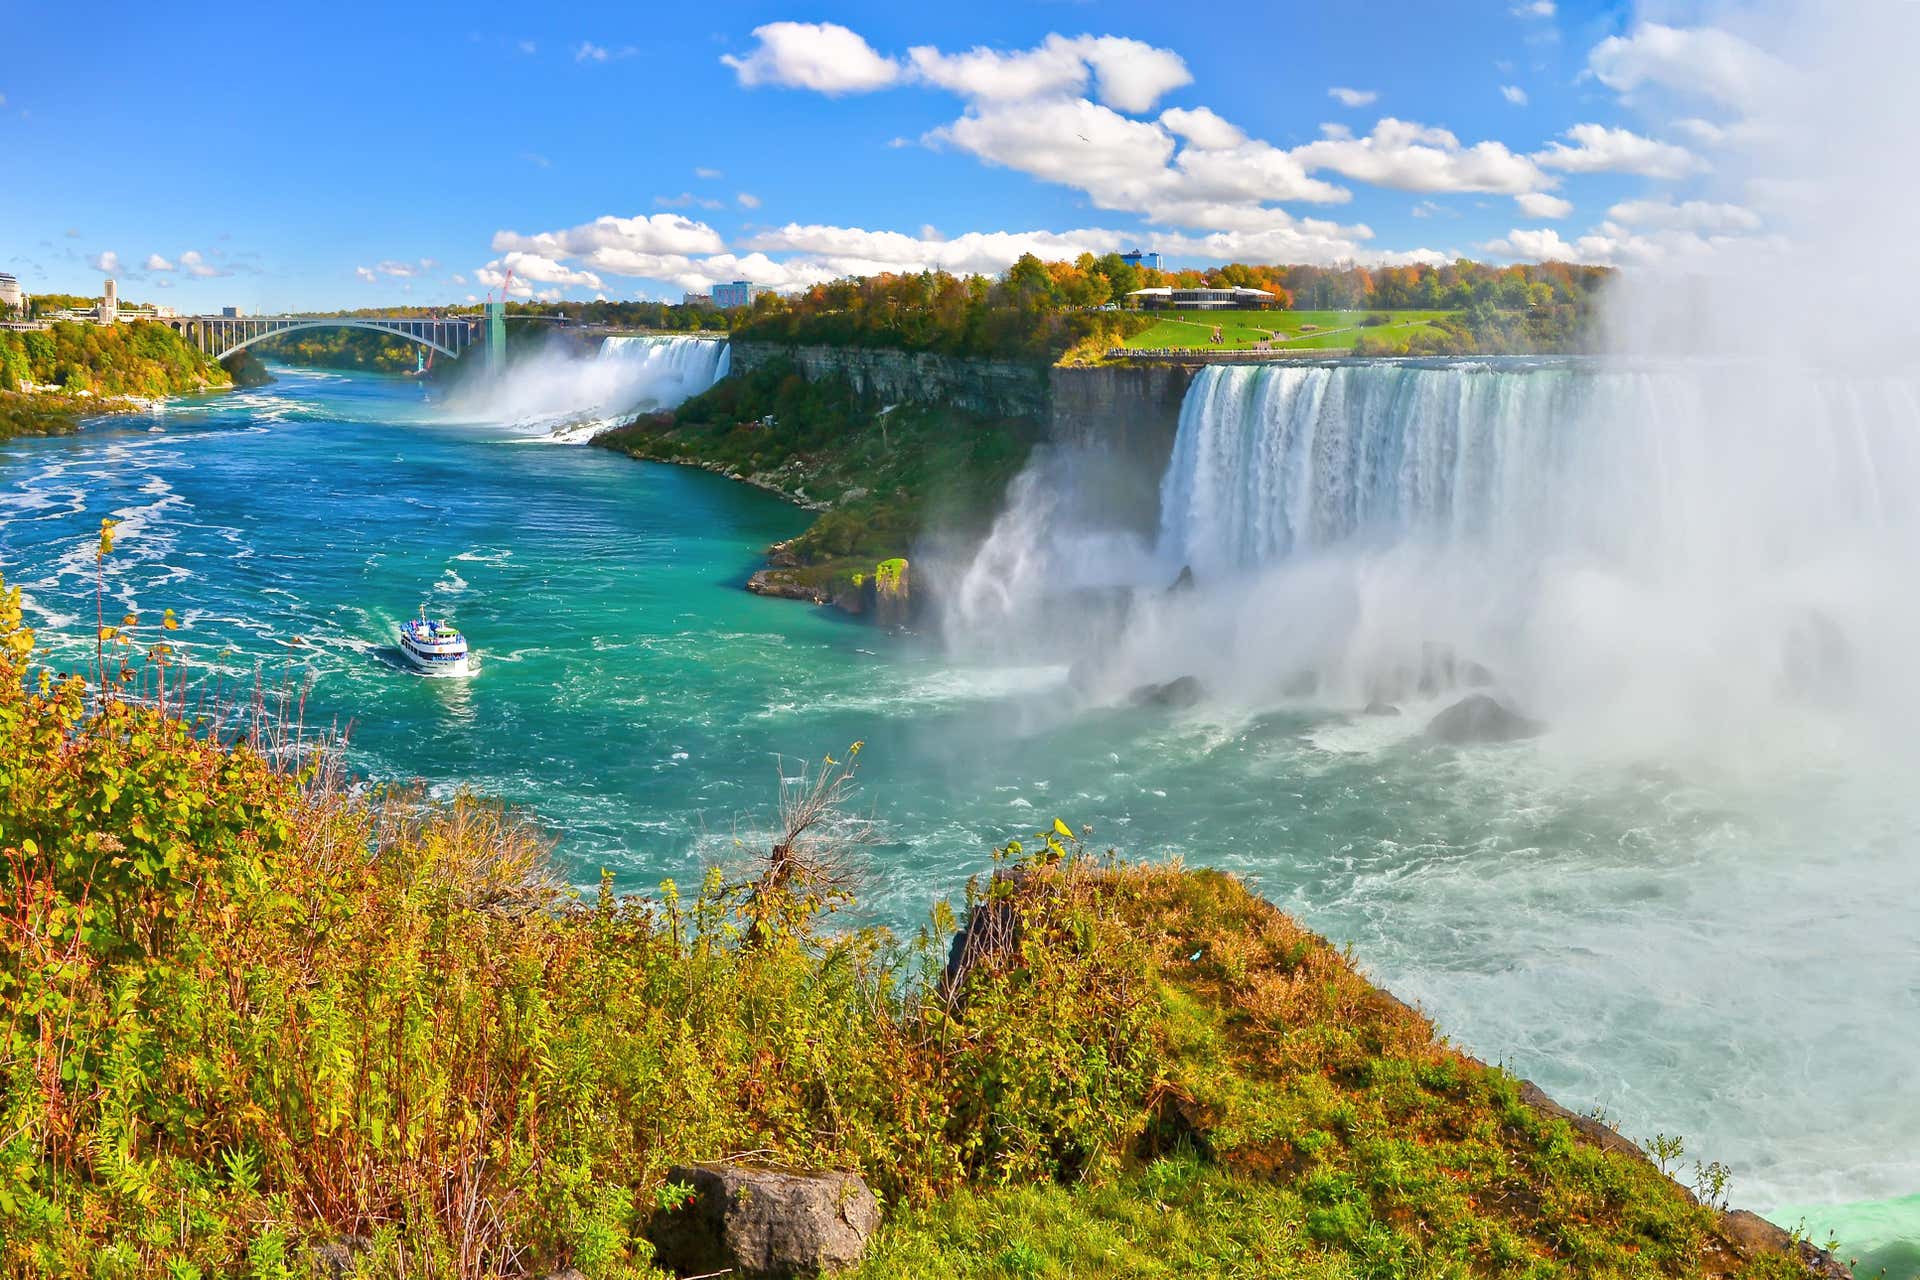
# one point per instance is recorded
(435, 648)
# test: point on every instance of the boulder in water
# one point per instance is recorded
(891, 593)
(1182, 583)
(1479, 718)
(1184, 692)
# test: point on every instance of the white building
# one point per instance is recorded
(1237, 298)
(110, 304)
(11, 298)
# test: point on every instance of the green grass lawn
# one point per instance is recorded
(1303, 330)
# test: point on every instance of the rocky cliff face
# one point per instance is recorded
(1132, 411)
(1121, 421)
(998, 388)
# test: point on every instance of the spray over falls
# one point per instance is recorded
(568, 395)
(1650, 550)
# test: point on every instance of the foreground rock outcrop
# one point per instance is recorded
(765, 1224)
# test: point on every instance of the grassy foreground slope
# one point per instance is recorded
(248, 1011)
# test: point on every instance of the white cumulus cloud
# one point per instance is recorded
(822, 56)
(1540, 204)
(1600, 149)
(194, 264)
(1415, 157)
(1129, 74)
(155, 262)
(1201, 127)
(1514, 93)
(659, 233)
(106, 261)
(1352, 97)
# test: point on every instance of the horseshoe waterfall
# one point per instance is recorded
(1698, 579)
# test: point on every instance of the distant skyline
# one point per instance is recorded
(361, 155)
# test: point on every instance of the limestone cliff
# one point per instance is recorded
(999, 388)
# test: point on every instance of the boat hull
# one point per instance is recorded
(436, 666)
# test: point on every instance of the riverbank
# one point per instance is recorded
(54, 413)
(883, 478)
(1110, 1058)
(50, 379)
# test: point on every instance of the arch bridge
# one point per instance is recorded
(221, 336)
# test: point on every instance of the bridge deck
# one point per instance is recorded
(221, 336)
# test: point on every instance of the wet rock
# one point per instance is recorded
(1183, 692)
(989, 937)
(781, 555)
(779, 583)
(852, 599)
(891, 593)
(1182, 583)
(765, 1224)
(1378, 708)
(1594, 1130)
(1479, 719)
(1752, 1237)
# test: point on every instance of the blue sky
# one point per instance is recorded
(284, 157)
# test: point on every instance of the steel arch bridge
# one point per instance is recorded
(221, 336)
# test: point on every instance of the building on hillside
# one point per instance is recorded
(1237, 298)
(109, 311)
(737, 293)
(1138, 258)
(231, 313)
(11, 298)
(701, 300)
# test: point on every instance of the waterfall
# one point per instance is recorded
(568, 396)
(1626, 468)
(658, 373)
(1672, 550)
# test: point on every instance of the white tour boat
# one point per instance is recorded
(435, 648)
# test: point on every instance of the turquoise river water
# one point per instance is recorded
(1727, 955)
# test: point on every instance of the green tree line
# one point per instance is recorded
(1038, 310)
(138, 359)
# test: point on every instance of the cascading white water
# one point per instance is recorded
(1651, 552)
(569, 397)
(1622, 468)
